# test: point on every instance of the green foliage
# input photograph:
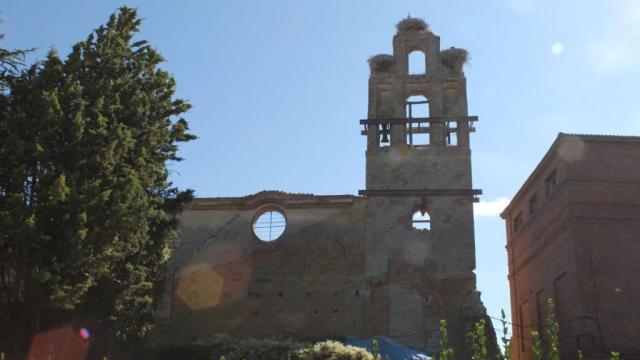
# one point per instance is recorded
(506, 341)
(11, 62)
(446, 353)
(224, 347)
(477, 341)
(332, 350)
(615, 355)
(580, 355)
(261, 349)
(553, 331)
(375, 347)
(219, 347)
(87, 214)
(536, 346)
(184, 351)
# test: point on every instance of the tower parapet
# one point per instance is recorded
(441, 83)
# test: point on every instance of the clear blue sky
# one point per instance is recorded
(278, 86)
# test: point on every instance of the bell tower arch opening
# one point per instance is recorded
(417, 63)
(417, 107)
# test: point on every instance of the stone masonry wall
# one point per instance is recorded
(350, 266)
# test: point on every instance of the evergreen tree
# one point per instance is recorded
(11, 61)
(88, 217)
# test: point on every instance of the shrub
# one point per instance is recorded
(178, 352)
(376, 348)
(553, 331)
(446, 353)
(224, 346)
(258, 349)
(332, 350)
(477, 341)
(506, 341)
(536, 347)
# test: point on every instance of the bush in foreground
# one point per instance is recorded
(332, 350)
(223, 346)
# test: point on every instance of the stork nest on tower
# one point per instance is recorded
(412, 25)
(454, 58)
(381, 63)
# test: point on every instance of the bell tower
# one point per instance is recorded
(420, 249)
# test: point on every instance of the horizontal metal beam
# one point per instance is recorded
(439, 119)
(423, 130)
(422, 192)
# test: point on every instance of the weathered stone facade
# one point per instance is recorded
(350, 265)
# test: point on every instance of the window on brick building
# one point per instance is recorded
(518, 223)
(551, 184)
(533, 204)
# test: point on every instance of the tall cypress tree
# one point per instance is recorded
(88, 217)
(11, 61)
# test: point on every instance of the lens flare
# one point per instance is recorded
(84, 333)
(57, 344)
(557, 48)
(218, 277)
(199, 286)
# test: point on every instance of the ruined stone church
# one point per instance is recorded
(392, 261)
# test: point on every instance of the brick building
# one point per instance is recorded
(393, 261)
(573, 235)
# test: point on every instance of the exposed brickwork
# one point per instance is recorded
(580, 247)
(345, 265)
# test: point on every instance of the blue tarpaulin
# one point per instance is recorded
(388, 347)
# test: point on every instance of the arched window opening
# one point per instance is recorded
(384, 109)
(417, 133)
(385, 135)
(269, 225)
(417, 63)
(452, 135)
(421, 220)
